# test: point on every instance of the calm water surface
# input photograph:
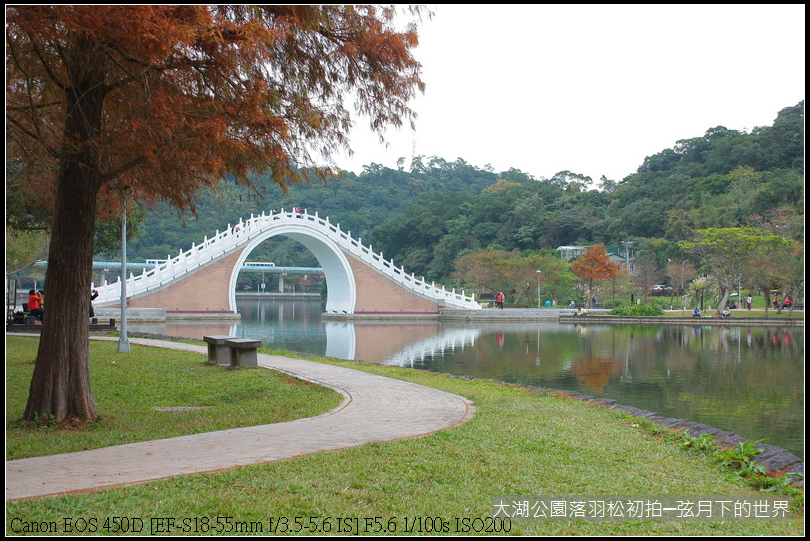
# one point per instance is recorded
(748, 381)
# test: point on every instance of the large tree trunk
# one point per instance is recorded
(60, 386)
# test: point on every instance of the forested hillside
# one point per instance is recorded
(427, 216)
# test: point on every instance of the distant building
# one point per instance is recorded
(570, 253)
(624, 257)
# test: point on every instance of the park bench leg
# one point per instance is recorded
(219, 352)
(244, 357)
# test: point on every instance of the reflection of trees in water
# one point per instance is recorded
(599, 364)
(594, 373)
(786, 340)
(747, 380)
(670, 362)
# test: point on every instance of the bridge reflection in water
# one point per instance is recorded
(400, 344)
(746, 380)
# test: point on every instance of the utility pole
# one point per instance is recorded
(538, 288)
(627, 245)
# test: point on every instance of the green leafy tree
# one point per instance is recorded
(24, 249)
(621, 286)
(785, 268)
(726, 253)
(556, 280)
(571, 182)
(700, 291)
(484, 270)
(108, 231)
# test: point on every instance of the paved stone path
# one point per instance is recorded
(374, 408)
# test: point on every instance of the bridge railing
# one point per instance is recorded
(234, 237)
(172, 269)
(397, 274)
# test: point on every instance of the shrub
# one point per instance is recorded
(638, 310)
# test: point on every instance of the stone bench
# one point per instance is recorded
(243, 351)
(218, 352)
(95, 325)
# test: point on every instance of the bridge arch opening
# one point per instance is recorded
(281, 265)
(341, 286)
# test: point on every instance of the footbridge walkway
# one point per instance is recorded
(358, 280)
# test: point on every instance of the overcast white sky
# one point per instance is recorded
(589, 88)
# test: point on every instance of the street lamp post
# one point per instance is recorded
(538, 287)
(123, 340)
(683, 293)
(627, 244)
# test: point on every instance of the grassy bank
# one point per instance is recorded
(128, 389)
(518, 443)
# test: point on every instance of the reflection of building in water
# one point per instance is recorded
(448, 341)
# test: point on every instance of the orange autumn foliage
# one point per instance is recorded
(163, 100)
(594, 264)
(187, 94)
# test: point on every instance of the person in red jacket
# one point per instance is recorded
(35, 304)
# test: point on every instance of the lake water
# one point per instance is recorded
(746, 380)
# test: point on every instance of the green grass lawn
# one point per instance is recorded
(753, 313)
(520, 442)
(757, 309)
(129, 387)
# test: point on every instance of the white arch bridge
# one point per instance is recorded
(359, 281)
